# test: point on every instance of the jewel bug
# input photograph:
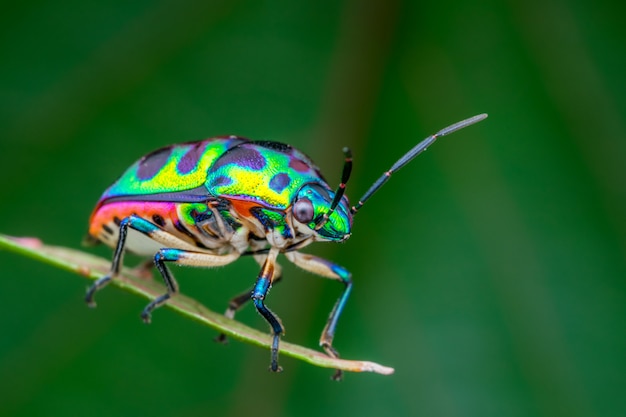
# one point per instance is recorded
(207, 203)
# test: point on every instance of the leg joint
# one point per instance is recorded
(261, 288)
(167, 255)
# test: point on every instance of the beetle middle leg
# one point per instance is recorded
(331, 270)
(180, 257)
(237, 302)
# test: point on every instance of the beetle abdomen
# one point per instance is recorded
(190, 222)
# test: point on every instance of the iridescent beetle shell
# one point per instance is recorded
(207, 203)
(258, 179)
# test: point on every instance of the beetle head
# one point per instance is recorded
(312, 208)
(326, 213)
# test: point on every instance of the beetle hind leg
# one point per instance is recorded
(115, 265)
(175, 250)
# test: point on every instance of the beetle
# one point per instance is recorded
(207, 203)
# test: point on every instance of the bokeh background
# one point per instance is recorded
(490, 272)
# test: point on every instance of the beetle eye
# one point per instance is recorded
(303, 210)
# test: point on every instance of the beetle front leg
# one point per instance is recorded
(261, 288)
(327, 269)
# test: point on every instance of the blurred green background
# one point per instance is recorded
(489, 272)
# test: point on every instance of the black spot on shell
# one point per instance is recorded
(182, 229)
(279, 182)
(152, 163)
(265, 220)
(200, 244)
(117, 220)
(277, 146)
(223, 205)
(107, 229)
(252, 236)
(158, 220)
(228, 218)
(242, 156)
(190, 159)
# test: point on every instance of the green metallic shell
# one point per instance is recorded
(171, 169)
(258, 182)
(270, 173)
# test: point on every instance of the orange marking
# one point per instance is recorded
(106, 213)
(243, 206)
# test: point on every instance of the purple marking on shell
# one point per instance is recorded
(151, 164)
(243, 157)
(190, 159)
(279, 182)
(221, 181)
(299, 165)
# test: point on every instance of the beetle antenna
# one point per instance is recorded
(341, 189)
(408, 157)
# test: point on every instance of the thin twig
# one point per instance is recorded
(93, 267)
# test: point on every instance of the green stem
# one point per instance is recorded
(93, 267)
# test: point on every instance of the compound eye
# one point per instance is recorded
(303, 210)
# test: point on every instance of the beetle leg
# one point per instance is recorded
(330, 270)
(239, 300)
(233, 305)
(261, 288)
(115, 265)
(180, 257)
(143, 226)
(162, 256)
(184, 256)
